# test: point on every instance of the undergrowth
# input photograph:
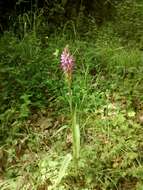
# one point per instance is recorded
(34, 114)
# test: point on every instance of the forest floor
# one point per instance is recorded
(36, 140)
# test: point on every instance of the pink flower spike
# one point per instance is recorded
(67, 61)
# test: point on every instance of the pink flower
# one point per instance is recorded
(67, 61)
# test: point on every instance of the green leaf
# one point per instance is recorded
(63, 170)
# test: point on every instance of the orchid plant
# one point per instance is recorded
(67, 65)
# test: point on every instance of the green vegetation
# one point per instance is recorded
(107, 92)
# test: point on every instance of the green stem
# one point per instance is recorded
(70, 99)
(74, 128)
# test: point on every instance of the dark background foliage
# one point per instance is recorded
(59, 11)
